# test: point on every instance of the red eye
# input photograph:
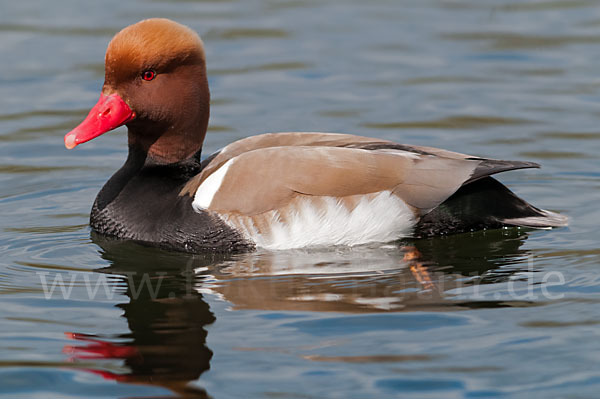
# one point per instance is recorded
(148, 75)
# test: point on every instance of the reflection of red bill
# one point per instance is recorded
(98, 349)
(109, 113)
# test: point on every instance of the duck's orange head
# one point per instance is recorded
(155, 83)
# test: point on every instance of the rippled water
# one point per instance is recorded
(507, 313)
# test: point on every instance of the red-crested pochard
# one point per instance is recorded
(278, 190)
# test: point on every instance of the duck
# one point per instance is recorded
(274, 191)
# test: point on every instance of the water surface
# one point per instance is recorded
(506, 313)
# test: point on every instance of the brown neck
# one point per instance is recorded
(167, 144)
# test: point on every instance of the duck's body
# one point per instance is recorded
(277, 191)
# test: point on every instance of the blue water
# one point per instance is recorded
(507, 313)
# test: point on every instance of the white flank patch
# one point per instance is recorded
(382, 217)
(209, 187)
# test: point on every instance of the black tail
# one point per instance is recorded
(484, 204)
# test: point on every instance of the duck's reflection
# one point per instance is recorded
(167, 315)
(416, 275)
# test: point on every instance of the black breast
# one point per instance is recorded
(141, 202)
